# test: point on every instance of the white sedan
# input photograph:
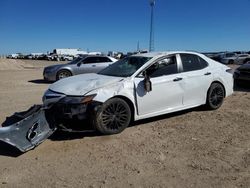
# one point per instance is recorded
(136, 87)
(236, 59)
(140, 86)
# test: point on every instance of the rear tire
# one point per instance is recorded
(215, 96)
(112, 117)
(63, 74)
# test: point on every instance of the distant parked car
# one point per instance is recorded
(221, 55)
(67, 58)
(224, 57)
(242, 73)
(243, 58)
(237, 59)
(82, 64)
(29, 56)
(52, 57)
(13, 56)
(42, 57)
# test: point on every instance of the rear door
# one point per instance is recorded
(197, 78)
(103, 63)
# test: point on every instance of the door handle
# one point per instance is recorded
(177, 79)
(208, 73)
(93, 65)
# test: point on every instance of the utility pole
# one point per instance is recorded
(138, 46)
(151, 39)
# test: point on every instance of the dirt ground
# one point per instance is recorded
(193, 148)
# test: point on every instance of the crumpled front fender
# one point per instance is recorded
(31, 129)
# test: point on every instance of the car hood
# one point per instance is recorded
(82, 84)
(245, 67)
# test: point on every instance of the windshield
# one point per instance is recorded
(125, 67)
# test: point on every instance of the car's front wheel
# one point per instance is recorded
(215, 96)
(63, 74)
(112, 117)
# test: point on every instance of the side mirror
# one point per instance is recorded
(79, 64)
(147, 82)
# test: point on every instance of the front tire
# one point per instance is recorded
(63, 74)
(112, 117)
(215, 96)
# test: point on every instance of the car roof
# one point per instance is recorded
(94, 55)
(159, 54)
(87, 56)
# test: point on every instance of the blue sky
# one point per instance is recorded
(102, 25)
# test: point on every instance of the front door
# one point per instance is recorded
(167, 89)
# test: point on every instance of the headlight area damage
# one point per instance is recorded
(30, 128)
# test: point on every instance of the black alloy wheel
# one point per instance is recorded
(112, 117)
(215, 96)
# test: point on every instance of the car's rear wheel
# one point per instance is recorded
(112, 117)
(63, 74)
(215, 96)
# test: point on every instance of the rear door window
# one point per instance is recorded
(191, 62)
(89, 60)
(104, 59)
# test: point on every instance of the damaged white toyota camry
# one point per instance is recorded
(136, 87)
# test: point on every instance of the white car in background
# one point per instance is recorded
(13, 56)
(236, 59)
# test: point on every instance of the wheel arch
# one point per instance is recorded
(130, 103)
(65, 69)
(218, 82)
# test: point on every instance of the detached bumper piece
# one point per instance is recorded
(30, 128)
